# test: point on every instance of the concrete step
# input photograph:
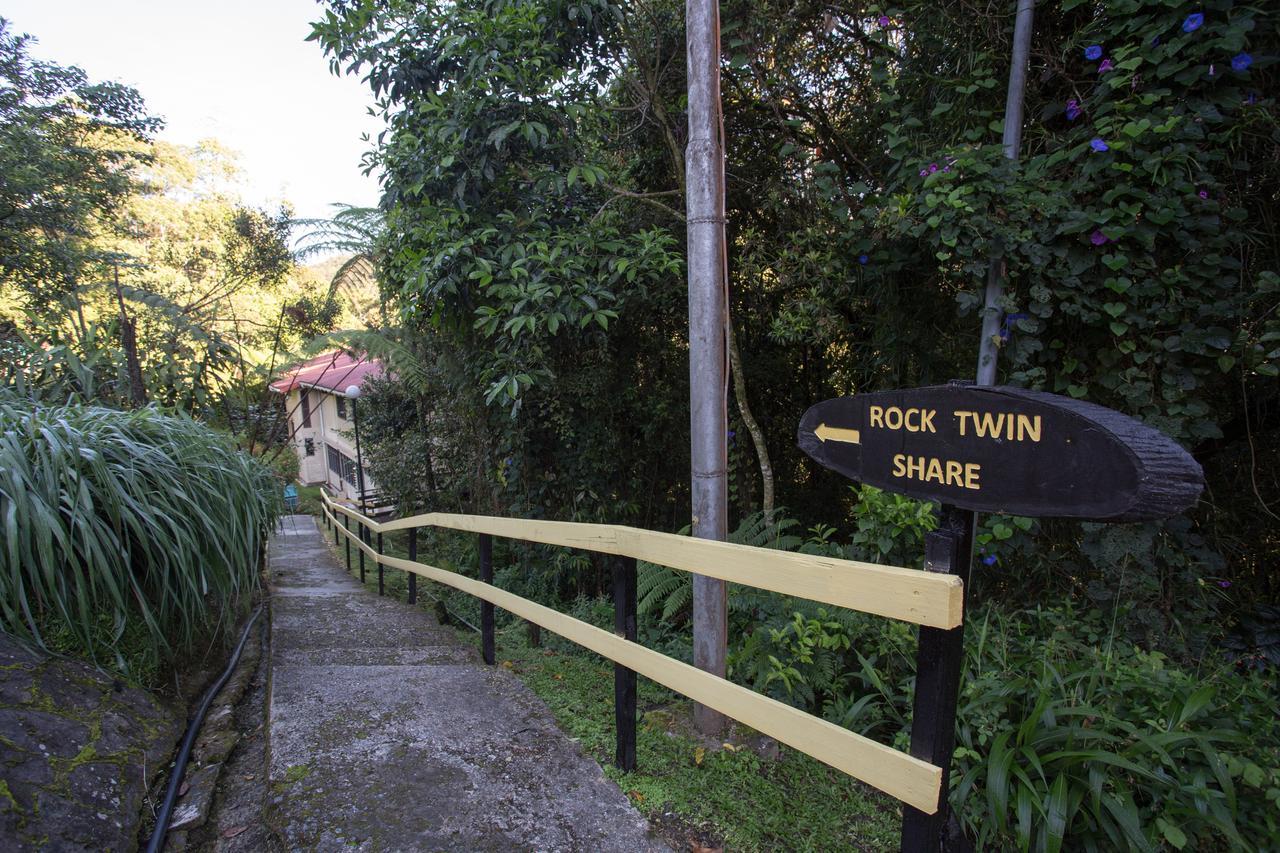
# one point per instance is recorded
(386, 732)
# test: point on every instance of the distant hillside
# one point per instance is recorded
(323, 271)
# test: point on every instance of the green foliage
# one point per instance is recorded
(1065, 732)
(356, 233)
(58, 373)
(1126, 263)
(1255, 642)
(534, 172)
(535, 167)
(668, 593)
(310, 316)
(889, 528)
(121, 525)
(497, 222)
(70, 154)
(129, 272)
(1142, 277)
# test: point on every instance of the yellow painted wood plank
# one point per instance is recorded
(896, 773)
(924, 598)
(354, 536)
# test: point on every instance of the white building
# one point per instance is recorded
(321, 418)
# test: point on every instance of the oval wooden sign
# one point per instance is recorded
(1003, 449)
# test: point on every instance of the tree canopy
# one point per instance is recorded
(533, 163)
(69, 156)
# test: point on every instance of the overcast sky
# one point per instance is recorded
(236, 70)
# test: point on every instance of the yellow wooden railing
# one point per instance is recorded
(934, 600)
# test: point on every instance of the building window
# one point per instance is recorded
(306, 410)
(309, 446)
(343, 466)
(341, 402)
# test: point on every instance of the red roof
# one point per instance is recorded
(331, 371)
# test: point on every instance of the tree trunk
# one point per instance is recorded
(757, 434)
(424, 426)
(129, 343)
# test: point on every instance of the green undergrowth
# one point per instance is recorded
(737, 795)
(309, 501)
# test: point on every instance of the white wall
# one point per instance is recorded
(326, 430)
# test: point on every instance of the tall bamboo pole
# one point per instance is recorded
(988, 351)
(708, 392)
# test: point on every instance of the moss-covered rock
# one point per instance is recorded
(77, 753)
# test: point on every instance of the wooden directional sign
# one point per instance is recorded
(1002, 449)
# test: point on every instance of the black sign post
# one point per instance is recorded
(989, 449)
(939, 661)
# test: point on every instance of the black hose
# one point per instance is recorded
(158, 835)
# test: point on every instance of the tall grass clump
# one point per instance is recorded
(127, 536)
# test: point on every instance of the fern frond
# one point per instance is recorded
(663, 590)
(384, 346)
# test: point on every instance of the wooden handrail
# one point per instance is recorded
(909, 779)
(896, 773)
(897, 593)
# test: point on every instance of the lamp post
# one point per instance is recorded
(353, 394)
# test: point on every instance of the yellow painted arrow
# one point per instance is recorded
(848, 436)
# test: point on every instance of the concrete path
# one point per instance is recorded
(386, 733)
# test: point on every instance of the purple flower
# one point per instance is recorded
(1097, 238)
(1073, 110)
(1241, 62)
(933, 167)
(1155, 41)
(1007, 324)
(1097, 144)
(990, 559)
(862, 259)
(1224, 584)
(1203, 194)
(1211, 67)
(1093, 52)
(1193, 22)
(1105, 66)
(1251, 100)
(924, 173)
(946, 168)
(884, 20)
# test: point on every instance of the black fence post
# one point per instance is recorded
(364, 540)
(381, 587)
(939, 659)
(624, 678)
(486, 608)
(346, 540)
(413, 557)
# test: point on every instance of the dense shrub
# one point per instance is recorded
(134, 529)
(1066, 732)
